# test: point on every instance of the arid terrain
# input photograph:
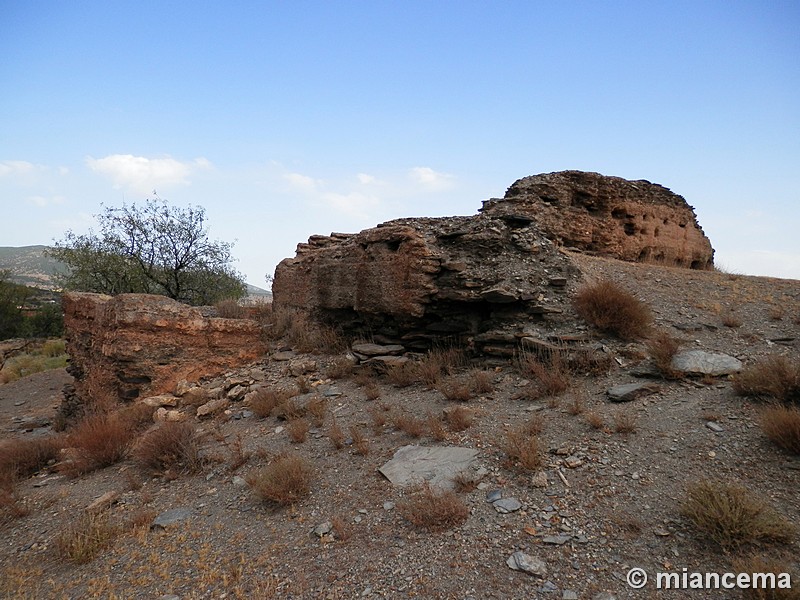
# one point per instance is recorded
(606, 497)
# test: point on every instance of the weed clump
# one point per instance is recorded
(284, 481)
(523, 448)
(662, 348)
(433, 509)
(731, 516)
(781, 424)
(775, 376)
(170, 445)
(613, 310)
(84, 538)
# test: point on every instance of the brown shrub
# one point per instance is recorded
(613, 310)
(21, 458)
(551, 377)
(436, 428)
(590, 362)
(82, 539)
(523, 448)
(781, 424)
(378, 416)
(99, 440)
(439, 362)
(336, 435)
(230, 309)
(408, 423)
(481, 381)
(432, 509)
(401, 376)
(764, 564)
(11, 505)
(170, 445)
(777, 312)
(577, 405)
(595, 421)
(340, 367)
(317, 407)
(303, 384)
(662, 348)
(774, 376)
(454, 389)
(341, 529)
(372, 391)
(265, 400)
(286, 480)
(360, 441)
(730, 319)
(238, 455)
(459, 418)
(464, 482)
(297, 429)
(289, 410)
(731, 515)
(624, 422)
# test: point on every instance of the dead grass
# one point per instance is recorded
(624, 422)
(577, 405)
(305, 334)
(238, 456)
(372, 391)
(11, 505)
(401, 376)
(731, 319)
(433, 509)
(436, 428)
(82, 539)
(265, 400)
(297, 429)
(317, 408)
(20, 458)
(230, 309)
(286, 480)
(781, 424)
(613, 310)
(378, 416)
(775, 376)
(776, 312)
(408, 423)
(454, 389)
(481, 381)
(731, 515)
(584, 361)
(464, 482)
(754, 563)
(438, 363)
(289, 410)
(523, 449)
(342, 531)
(459, 418)
(360, 441)
(169, 446)
(336, 435)
(551, 377)
(595, 421)
(98, 441)
(340, 367)
(662, 348)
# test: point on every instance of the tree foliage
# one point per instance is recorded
(153, 248)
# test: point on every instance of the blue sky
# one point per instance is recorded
(286, 119)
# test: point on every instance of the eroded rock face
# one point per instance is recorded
(133, 345)
(484, 278)
(417, 280)
(610, 216)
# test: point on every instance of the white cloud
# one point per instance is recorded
(300, 182)
(143, 175)
(16, 167)
(44, 201)
(352, 203)
(433, 180)
(365, 179)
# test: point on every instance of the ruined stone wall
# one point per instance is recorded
(133, 345)
(610, 216)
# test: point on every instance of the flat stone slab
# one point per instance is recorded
(507, 505)
(630, 391)
(700, 362)
(519, 561)
(171, 516)
(378, 349)
(435, 465)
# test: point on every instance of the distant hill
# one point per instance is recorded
(29, 266)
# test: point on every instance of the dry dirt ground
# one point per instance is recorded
(614, 497)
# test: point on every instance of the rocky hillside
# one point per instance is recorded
(29, 266)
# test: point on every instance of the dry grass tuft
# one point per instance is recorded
(340, 367)
(21, 458)
(317, 408)
(99, 440)
(11, 505)
(662, 348)
(438, 363)
(760, 564)
(781, 424)
(170, 445)
(372, 391)
(775, 376)
(613, 310)
(84, 538)
(577, 405)
(289, 410)
(265, 400)
(378, 416)
(297, 429)
(595, 421)
(481, 381)
(401, 376)
(436, 428)
(342, 531)
(523, 448)
(284, 481)
(624, 422)
(459, 418)
(230, 309)
(586, 361)
(551, 376)
(433, 510)
(454, 389)
(360, 441)
(730, 319)
(464, 482)
(336, 435)
(408, 423)
(731, 516)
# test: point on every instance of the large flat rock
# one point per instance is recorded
(435, 465)
(700, 362)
